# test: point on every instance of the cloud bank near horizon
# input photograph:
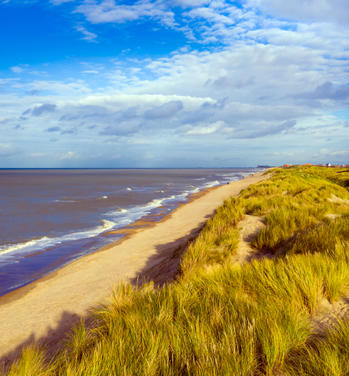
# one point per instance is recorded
(200, 83)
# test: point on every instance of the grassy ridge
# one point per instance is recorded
(220, 318)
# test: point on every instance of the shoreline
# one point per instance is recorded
(70, 292)
(127, 231)
(26, 259)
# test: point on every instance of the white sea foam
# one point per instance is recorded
(156, 203)
(234, 176)
(212, 184)
(128, 189)
(124, 217)
(45, 242)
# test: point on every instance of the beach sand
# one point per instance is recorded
(42, 312)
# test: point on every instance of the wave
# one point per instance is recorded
(116, 219)
(45, 241)
(234, 176)
(212, 184)
(105, 197)
(124, 217)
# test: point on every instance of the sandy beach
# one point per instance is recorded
(42, 312)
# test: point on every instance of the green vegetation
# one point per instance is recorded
(220, 318)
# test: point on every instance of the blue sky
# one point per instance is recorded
(159, 83)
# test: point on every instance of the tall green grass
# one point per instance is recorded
(217, 241)
(220, 318)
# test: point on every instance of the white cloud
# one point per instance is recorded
(90, 71)
(119, 101)
(17, 69)
(64, 89)
(69, 155)
(320, 10)
(108, 11)
(206, 130)
(210, 15)
(333, 153)
(268, 78)
(87, 35)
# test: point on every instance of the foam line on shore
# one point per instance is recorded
(45, 241)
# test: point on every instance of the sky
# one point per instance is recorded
(173, 83)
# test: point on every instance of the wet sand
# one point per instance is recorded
(42, 312)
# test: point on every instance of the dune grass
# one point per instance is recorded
(220, 318)
(323, 357)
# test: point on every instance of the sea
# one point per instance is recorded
(50, 217)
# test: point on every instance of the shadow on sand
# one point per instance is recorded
(162, 267)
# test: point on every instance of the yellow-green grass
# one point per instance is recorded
(220, 318)
(327, 356)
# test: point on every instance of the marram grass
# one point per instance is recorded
(219, 318)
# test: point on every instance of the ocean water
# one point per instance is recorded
(50, 217)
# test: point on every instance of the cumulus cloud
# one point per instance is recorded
(41, 109)
(108, 11)
(200, 130)
(330, 91)
(53, 129)
(166, 110)
(122, 129)
(146, 111)
(324, 10)
(267, 130)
